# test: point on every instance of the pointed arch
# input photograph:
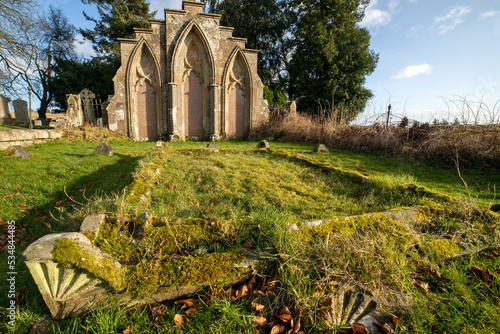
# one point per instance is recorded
(192, 26)
(143, 89)
(192, 101)
(237, 96)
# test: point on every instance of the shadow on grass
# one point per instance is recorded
(56, 216)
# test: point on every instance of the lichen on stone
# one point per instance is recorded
(444, 247)
(70, 254)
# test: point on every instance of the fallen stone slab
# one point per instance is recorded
(74, 277)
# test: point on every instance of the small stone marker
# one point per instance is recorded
(5, 117)
(20, 152)
(212, 147)
(87, 97)
(263, 144)
(321, 148)
(161, 143)
(91, 224)
(74, 111)
(21, 111)
(104, 148)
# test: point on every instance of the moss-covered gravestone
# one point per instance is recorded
(65, 266)
(74, 275)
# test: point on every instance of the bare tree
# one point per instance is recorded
(28, 62)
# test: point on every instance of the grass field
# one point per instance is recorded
(63, 181)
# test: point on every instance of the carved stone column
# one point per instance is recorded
(216, 112)
(172, 112)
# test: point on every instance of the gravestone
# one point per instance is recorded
(87, 97)
(5, 117)
(292, 108)
(21, 111)
(74, 111)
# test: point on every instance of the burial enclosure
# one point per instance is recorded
(187, 78)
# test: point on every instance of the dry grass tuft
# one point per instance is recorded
(474, 144)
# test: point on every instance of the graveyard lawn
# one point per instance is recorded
(242, 198)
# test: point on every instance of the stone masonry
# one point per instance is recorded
(187, 78)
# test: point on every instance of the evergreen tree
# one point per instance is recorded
(73, 75)
(263, 24)
(117, 18)
(312, 49)
(332, 57)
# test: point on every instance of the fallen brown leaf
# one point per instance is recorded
(179, 320)
(248, 244)
(285, 310)
(259, 319)
(278, 329)
(187, 303)
(482, 273)
(258, 307)
(424, 286)
(496, 252)
(241, 292)
(284, 317)
(385, 329)
(129, 329)
(191, 311)
(357, 328)
(297, 326)
(158, 310)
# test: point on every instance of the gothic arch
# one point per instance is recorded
(236, 79)
(143, 88)
(193, 104)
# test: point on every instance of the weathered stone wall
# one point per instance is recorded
(164, 57)
(27, 137)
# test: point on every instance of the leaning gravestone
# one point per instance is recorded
(5, 117)
(87, 97)
(104, 148)
(74, 112)
(21, 111)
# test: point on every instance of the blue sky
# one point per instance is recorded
(433, 54)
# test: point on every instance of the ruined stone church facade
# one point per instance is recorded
(187, 77)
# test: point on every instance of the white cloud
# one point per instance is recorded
(451, 20)
(490, 14)
(83, 47)
(412, 71)
(374, 16)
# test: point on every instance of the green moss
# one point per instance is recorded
(354, 176)
(70, 254)
(203, 270)
(8, 153)
(347, 227)
(419, 191)
(444, 247)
